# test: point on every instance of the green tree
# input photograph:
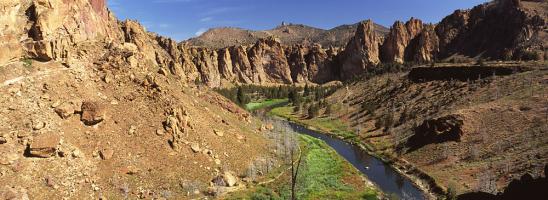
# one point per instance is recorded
(242, 98)
(306, 91)
(329, 109)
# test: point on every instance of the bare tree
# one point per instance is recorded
(293, 156)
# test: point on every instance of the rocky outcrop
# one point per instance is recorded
(362, 51)
(311, 64)
(48, 29)
(424, 47)
(268, 60)
(448, 128)
(502, 29)
(55, 30)
(396, 43)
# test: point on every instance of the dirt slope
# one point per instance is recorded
(469, 135)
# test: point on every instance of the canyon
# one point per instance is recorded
(270, 60)
(99, 108)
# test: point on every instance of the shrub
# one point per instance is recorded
(27, 62)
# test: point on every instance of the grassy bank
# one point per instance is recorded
(323, 175)
(324, 124)
(264, 104)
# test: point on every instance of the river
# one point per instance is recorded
(381, 174)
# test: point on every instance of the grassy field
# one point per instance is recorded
(324, 124)
(323, 175)
(264, 104)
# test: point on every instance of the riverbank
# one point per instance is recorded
(323, 174)
(337, 129)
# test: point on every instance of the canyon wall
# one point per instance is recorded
(50, 30)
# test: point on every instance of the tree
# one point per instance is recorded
(313, 111)
(329, 109)
(294, 97)
(242, 97)
(306, 91)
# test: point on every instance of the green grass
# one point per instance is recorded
(324, 124)
(27, 62)
(264, 104)
(323, 175)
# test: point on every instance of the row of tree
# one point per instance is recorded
(297, 95)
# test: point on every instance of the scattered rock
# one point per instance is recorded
(23, 134)
(240, 137)
(160, 132)
(195, 147)
(38, 125)
(92, 113)
(77, 153)
(219, 133)
(217, 162)
(132, 130)
(44, 146)
(106, 154)
(3, 140)
(65, 110)
(226, 179)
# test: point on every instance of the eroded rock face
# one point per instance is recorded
(362, 51)
(448, 128)
(41, 28)
(311, 64)
(395, 46)
(268, 59)
(424, 47)
(500, 30)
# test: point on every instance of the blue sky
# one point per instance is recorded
(183, 19)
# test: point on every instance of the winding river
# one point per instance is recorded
(378, 172)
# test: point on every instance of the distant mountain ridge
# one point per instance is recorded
(289, 34)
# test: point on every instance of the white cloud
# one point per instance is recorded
(200, 31)
(206, 19)
(163, 25)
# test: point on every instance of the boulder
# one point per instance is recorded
(65, 110)
(227, 179)
(195, 147)
(44, 146)
(218, 133)
(92, 113)
(106, 154)
(448, 128)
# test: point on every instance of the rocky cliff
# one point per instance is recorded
(50, 30)
(361, 52)
(47, 29)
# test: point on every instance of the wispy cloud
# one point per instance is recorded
(164, 25)
(206, 19)
(200, 31)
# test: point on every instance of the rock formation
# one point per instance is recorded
(503, 29)
(397, 41)
(45, 30)
(362, 51)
